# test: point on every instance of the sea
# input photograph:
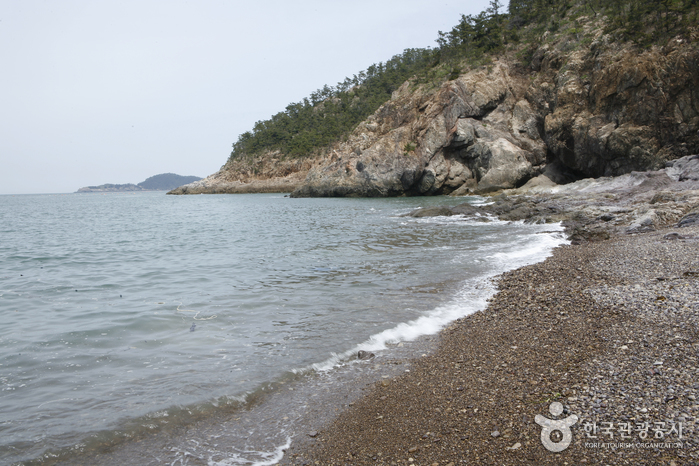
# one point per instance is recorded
(141, 328)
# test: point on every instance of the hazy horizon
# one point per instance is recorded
(108, 92)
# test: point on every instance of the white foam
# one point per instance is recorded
(267, 458)
(473, 296)
(480, 201)
(471, 299)
(462, 220)
(537, 248)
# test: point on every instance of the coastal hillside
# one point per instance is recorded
(561, 88)
(162, 182)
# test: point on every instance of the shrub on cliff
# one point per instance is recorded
(331, 113)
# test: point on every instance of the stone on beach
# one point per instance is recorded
(581, 328)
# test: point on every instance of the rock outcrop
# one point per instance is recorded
(593, 110)
(580, 106)
(616, 109)
(596, 209)
(475, 133)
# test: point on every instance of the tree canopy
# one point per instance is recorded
(331, 113)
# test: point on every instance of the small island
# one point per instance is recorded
(162, 182)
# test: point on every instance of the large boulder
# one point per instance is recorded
(474, 134)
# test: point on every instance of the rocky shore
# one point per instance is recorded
(596, 209)
(608, 327)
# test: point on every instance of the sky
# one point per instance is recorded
(115, 91)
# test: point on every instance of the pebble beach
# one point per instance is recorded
(589, 356)
(608, 329)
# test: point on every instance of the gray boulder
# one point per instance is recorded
(689, 220)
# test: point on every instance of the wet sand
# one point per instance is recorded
(609, 329)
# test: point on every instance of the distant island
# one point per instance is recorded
(162, 182)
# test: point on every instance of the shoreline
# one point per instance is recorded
(605, 342)
(496, 369)
(330, 393)
(488, 374)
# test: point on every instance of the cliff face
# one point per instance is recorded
(614, 110)
(477, 132)
(576, 108)
(587, 110)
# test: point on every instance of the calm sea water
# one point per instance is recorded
(121, 309)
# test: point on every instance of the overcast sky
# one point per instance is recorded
(95, 92)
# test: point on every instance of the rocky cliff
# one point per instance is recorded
(577, 105)
(590, 110)
(475, 133)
